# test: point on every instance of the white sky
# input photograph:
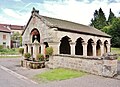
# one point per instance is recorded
(80, 11)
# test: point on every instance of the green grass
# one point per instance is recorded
(115, 50)
(10, 56)
(58, 74)
(6, 51)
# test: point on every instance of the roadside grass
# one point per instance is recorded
(58, 74)
(14, 51)
(116, 51)
(10, 56)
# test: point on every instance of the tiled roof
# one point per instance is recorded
(16, 27)
(8, 27)
(4, 28)
(75, 27)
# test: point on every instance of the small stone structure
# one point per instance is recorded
(75, 46)
(98, 66)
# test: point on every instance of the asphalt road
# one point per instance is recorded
(10, 79)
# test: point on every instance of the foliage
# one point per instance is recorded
(99, 20)
(1, 46)
(114, 31)
(49, 51)
(6, 51)
(40, 57)
(111, 17)
(16, 36)
(59, 74)
(21, 50)
(27, 55)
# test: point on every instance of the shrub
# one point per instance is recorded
(49, 51)
(27, 55)
(40, 57)
(21, 50)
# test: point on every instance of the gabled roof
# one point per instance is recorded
(68, 26)
(4, 28)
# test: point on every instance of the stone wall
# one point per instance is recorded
(92, 65)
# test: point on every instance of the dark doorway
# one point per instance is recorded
(79, 47)
(65, 46)
(90, 48)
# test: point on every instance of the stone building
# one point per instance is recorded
(64, 36)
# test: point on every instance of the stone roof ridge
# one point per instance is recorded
(49, 24)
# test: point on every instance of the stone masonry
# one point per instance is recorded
(103, 67)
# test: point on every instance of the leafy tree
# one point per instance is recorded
(114, 31)
(99, 20)
(111, 17)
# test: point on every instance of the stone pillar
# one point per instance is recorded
(84, 49)
(35, 49)
(102, 49)
(94, 49)
(72, 44)
(42, 48)
(108, 47)
(29, 48)
(25, 48)
(56, 47)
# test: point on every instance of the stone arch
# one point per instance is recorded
(105, 46)
(65, 45)
(35, 35)
(98, 48)
(79, 47)
(90, 48)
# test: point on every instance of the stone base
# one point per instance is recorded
(32, 64)
(91, 65)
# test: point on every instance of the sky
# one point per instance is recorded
(18, 12)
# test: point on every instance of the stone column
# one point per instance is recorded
(102, 49)
(25, 48)
(108, 47)
(35, 49)
(72, 44)
(56, 47)
(94, 49)
(84, 49)
(42, 48)
(29, 48)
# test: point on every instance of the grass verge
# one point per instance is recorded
(10, 56)
(58, 74)
(115, 50)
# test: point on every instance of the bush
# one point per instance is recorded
(40, 57)
(49, 51)
(27, 55)
(21, 50)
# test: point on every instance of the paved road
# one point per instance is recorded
(8, 79)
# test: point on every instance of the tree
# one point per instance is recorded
(114, 31)
(99, 20)
(111, 17)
